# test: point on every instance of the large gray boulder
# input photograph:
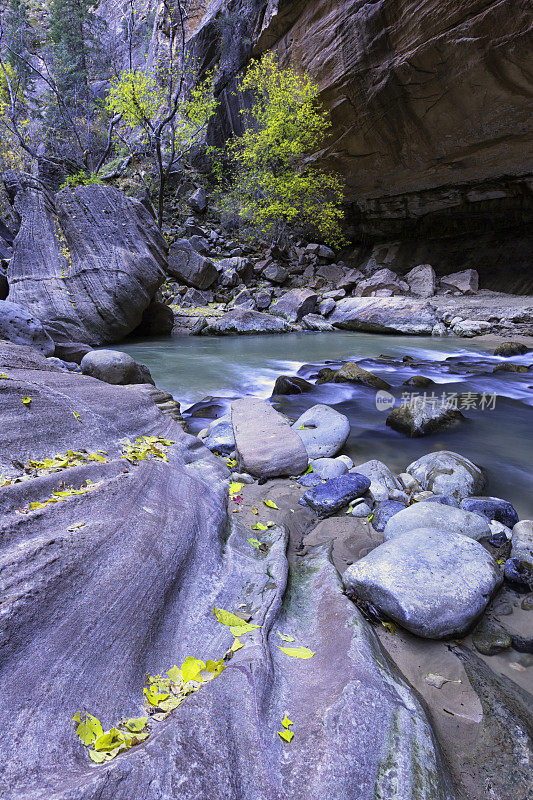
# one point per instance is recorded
(244, 321)
(384, 315)
(322, 430)
(446, 472)
(295, 304)
(378, 472)
(420, 419)
(112, 366)
(94, 266)
(438, 517)
(266, 445)
(188, 266)
(20, 327)
(434, 583)
(466, 281)
(121, 580)
(383, 279)
(522, 541)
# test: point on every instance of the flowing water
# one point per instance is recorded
(497, 433)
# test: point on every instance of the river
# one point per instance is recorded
(497, 433)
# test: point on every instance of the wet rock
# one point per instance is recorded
(518, 574)
(266, 444)
(431, 516)
(188, 266)
(433, 583)
(383, 512)
(325, 375)
(112, 366)
(490, 639)
(446, 472)
(422, 280)
(18, 326)
(335, 494)
(493, 508)
(326, 468)
(522, 541)
(198, 201)
(353, 373)
(220, 437)
(520, 368)
(439, 330)
(243, 321)
(466, 281)
(322, 430)
(384, 315)
(418, 381)
(291, 384)
(508, 349)
(420, 419)
(295, 304)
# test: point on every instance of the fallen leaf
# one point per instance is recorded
(286, 722)
(296, 652)
(174, 673)
(255, 542)
(286, 637)
(438, 680)
(26, 401)
(237, 645)
(135, 724)
(89, 729)
(190, 668)
(75, 526)
(259, 527)
(235, 488)
(270, 504)
(243, 628)
(287, 735)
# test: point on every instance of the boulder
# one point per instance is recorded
(433, 583)
(378, 472)
(291, 384)
(384, 315)
(418, 381)
(197, 202)
(522, 542)
(95, 266)
(220, 437)
(194, 298)
(326, 306)
(506, 367)
(383, 279)
(294, 304)
(439, 517)
(322, 430)
(244, 299)
(443, 500)
(422, 280)
(508, 349)
(420, 419)
(314, 322)
(266, 444)
(492, 508)
(446, 472)
(350, 372)
(199, 243)
(112, 366)
(263, 298)
(275, 273)
(71, 351)
(244, 321)
(17, 325)
(188, 266)
(336, 493)
(466, 281)
(471, 327)
(320, 250)
(326, 468)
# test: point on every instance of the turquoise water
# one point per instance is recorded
(499, 439)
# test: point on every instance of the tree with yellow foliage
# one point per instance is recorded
(274, 184)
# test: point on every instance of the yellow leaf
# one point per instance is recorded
(296, 652)
(136, 724)
(235, 488)
(190, 669)
(237, 645)
(243, 628)
(270, 504)
(227, 618)
(286, 637)
(286, 722)
(26, 401)
(174, 673)
(287, 735)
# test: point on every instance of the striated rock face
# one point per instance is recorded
(429, 103)
(86, 263)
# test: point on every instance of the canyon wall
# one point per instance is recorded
(430, 103)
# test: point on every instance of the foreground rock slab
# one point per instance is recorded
(433, 583)
(95, 265)
(384, 315)
(266, 444)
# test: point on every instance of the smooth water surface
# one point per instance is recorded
(499, 439)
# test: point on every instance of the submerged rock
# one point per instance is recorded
(322, 430)
(336, 493)
(489, 638)
(266, 444)
(508, 349)
(353, 373)
(433, 583)
(291, 384)
(446, 472)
